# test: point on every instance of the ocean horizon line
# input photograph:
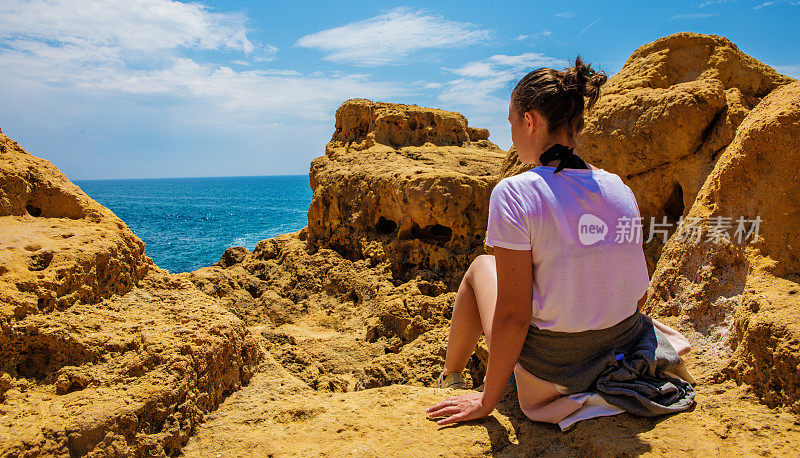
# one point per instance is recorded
(188, 178)
(188, 222)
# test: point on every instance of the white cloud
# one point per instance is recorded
(693, 16)
(540, 34)
(775, 2)
(565, 14)
(714, 2)
(143, 25)
(480, 80)
(792, 71)
(391, 37)
(116, 47)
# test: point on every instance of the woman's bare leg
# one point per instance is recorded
(472, 312)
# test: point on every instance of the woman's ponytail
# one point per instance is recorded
(583, 79)
(560, 96)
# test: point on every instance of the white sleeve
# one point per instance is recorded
(507, 225)
(633, 196)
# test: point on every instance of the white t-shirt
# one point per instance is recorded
(583, 228)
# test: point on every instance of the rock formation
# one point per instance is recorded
(398, 212)
(685, 94)
(101, 352)
(59, 246)
(335, 333)
(742, 290)
(403, 184)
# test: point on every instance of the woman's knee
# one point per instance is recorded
(482, 264)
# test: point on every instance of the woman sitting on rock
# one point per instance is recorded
(559, 299)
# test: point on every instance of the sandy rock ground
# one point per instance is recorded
(128, 376)
(287, 409)
(278, 414)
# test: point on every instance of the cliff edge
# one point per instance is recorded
(101, 352)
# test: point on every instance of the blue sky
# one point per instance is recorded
(158, 88)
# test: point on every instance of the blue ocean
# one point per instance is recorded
(187, 223)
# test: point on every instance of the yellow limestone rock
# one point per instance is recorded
(353, 346)
(101, 352)
(740, 291)
(405, 184)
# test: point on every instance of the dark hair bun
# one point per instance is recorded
(584, 80)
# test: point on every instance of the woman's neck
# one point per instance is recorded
(562, 157)
(561, 139)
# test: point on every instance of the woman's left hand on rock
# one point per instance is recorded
(459, 408)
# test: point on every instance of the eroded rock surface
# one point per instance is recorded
(405, 184)
(741, 290)
(336, 324)
(664, 119)
(58, 245)
(101, 352)
(742, 354)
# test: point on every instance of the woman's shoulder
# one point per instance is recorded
(527, 177)
(522, 187)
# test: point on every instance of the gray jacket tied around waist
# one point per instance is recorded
(624, 363)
